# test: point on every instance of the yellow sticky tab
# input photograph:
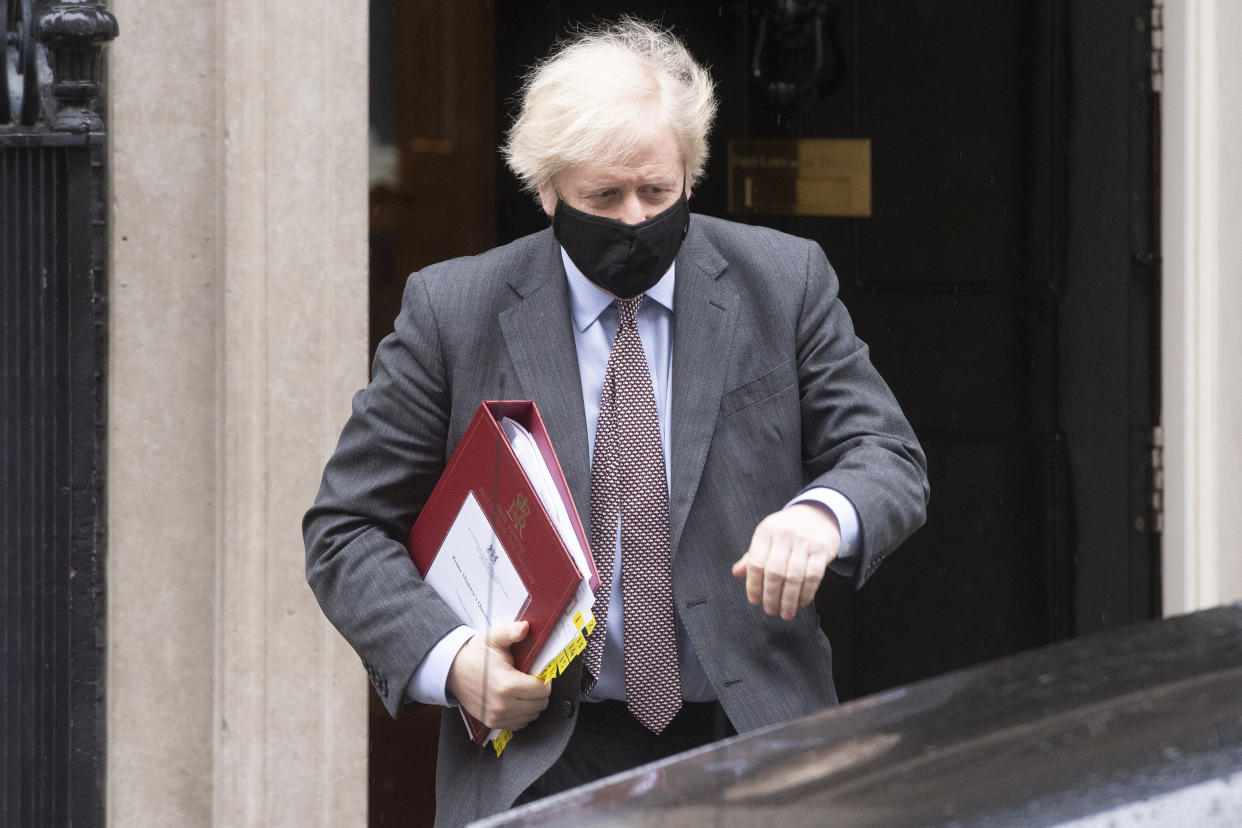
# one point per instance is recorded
(562, 662)
(579, 644)
(590, 624)
(578, 620)
(501, 741)
(549, 672)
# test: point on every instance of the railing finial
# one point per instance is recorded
(75, 32)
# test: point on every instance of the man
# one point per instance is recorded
(720, 426)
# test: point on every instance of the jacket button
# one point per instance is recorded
(567, 708)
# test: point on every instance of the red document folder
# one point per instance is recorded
(484, 465)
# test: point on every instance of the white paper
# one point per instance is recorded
(540, 476)
(527, 452)
(473, 573)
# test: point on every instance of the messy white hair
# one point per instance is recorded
(602, 94)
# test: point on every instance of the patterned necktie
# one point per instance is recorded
(627, 479)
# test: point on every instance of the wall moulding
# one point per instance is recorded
(1202, 296)
(238, 336)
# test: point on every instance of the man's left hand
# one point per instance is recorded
(787, 558)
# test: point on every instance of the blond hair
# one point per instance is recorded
(600, 96)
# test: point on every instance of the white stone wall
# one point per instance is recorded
(238, 333)
(1202, 304)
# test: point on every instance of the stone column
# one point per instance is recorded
(237, 334)
(1202, 298)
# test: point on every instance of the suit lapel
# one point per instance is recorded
(706, 312)
(539, 338)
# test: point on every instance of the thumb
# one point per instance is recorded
(504, 636)
(739, 568)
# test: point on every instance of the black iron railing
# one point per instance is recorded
(52, 362)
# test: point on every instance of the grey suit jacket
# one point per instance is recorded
(772, 393)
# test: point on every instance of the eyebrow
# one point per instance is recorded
(664, 181)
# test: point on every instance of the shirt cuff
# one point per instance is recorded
(847, 521)
(429, 684)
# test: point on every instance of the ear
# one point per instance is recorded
(547, 198)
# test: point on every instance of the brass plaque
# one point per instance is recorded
(801, 177)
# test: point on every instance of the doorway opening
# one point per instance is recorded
(1006, 279)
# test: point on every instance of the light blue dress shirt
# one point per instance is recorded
(596, 319)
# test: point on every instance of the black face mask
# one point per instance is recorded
(623, 259)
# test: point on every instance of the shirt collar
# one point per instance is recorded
(588, 302)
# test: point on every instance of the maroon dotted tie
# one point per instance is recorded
(627, 479)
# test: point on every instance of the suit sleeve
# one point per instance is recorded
(855, 438)
(389, 456)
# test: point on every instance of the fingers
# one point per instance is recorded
(783, 595)
(817, 564)
(513, 699)
(756, 566)
(774, 576)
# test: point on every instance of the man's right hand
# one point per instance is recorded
(510, 699)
